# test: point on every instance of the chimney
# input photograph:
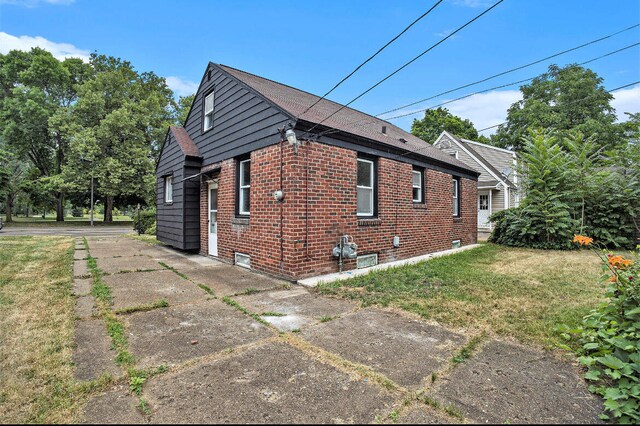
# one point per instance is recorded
(384, 130)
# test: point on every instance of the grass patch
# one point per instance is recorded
(171, 268)
(161, 303)
(327, 318)
(36, 330)
(149, 239)
(250, 290)
(229, 301)
(523, 293)
(272, 314)
(207, 289)
(466, 351)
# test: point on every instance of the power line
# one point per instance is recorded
(372, 56)
(406, 64)
(581, 99)
(512, 70)
(481, 91)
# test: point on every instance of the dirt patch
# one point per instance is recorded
(141, 288)
(229, 280)
(298, 307)
(177, 334)
(93, 355)
(114, 407)
(271, 384)
(403, 349)
(507, 382)
(420, 414)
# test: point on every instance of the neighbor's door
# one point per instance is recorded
(213, 218)
(484, 210)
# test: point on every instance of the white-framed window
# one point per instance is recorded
(455, 244)
(418, 179)
(208, 112)
(516, 199)
(365, 187)
(243, 260)
(168, 189)
(456, 197)
(244, 187)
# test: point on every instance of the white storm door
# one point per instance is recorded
(484, 210)
(213, 219)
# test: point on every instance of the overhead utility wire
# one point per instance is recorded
(405, 65)
(511, 70)
(372, 56)
(581, 99)
(354, 124)
(504, 85)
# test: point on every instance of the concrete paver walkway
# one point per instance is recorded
(236, 346)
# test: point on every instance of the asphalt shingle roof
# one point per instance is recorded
(349, 120)
(187, 146)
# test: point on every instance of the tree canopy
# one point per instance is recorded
(565, 99)
(435, 121)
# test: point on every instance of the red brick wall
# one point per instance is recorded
(325, 176)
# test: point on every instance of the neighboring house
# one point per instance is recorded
(230, 184)
(498, 181)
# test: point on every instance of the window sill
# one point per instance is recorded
(240, 220)
(369, 222)
(168, 203)
(419, 206)
(457, 219)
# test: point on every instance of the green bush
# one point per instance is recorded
(610, 340)
(152, 229)
(147, 218)
(76, 212)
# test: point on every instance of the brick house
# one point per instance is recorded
(498, 187)
(230, 184)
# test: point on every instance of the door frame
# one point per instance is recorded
(485, 192)
(211, 185)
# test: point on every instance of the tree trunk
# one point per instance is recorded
(9, 208)
(108, 209)
(60, 207)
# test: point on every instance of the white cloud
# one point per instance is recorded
(181, 87)
(59, 50)
(626, 100)
(35, 3)
(471, 3)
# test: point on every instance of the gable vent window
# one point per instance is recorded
(208, 112)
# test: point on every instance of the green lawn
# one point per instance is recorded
(68, 221)
(36, 332)
(521, 293)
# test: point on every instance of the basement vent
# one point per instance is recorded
(243, 260)
(367, 261)
(455, 244)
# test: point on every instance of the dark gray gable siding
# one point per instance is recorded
(191, 189)
(169, 217)
(243, 121)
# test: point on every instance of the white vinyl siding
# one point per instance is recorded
(244, 187)
(417, 177)
(208, 112)
(365, 187)
(168, 189)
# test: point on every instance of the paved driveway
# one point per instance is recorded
(229, 345)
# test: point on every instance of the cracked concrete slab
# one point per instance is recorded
(421, 414)
(299, 307)
(93, 355)
(271, 384)
(183, 262)
(507, 382)
(82, 286)
(80, 268)
(101, 253)
(117, 406)
(141, 288)
(228, 280)
(403, 349)
(113, 265)
(84, 306)
(176, 334)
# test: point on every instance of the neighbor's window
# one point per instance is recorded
(456, 197)
(208, 112)
(168, 189)
(418, 179)
(244, 186)
(365, 187)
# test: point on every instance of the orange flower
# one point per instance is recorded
(613, 279)
(582, 240)
(619, 262)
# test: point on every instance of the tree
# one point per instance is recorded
(562, 99)
(35, 87)
(12, 174)
(116, 129)
(435, 121)
(182, 108)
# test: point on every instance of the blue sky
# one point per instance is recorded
(313, 44)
